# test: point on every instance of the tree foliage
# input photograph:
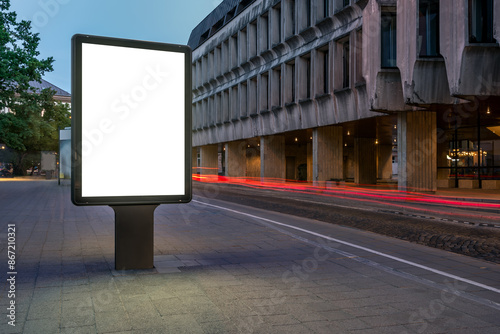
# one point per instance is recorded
(18, 56)
(34, 122)
(34, 118)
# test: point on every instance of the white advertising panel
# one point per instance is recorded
(132, 122)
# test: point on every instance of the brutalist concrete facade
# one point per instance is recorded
(324, 90)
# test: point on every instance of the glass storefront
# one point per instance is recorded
(471, 143)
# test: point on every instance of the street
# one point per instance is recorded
(223, 267)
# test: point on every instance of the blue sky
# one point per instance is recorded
(168, 21)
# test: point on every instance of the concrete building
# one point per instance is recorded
(324, 90)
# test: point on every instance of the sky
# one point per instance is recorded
(167, 21)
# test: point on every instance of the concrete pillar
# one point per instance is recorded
(365, 161)
(253, 161)
(417, 151)
(384, 161)
(309, 162)
(194, 160)
(236, 159)
(272, 157)
(328, 153)
(209, 155)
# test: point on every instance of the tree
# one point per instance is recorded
(33, 126)
(18, 56)
(34, 119)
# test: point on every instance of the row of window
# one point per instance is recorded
(269, 29)
(266, 31)
(480, 25)
(322, 7)
(308, 76)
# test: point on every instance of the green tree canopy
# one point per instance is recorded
(18, 56)
(34, 117)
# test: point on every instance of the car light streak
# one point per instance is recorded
(380, 195)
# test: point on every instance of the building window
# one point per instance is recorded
(204, 37)
(194, 110)
(252, 96)
(234, 51)
(304, 79)
(290, 18)
(211, 73)
(290, 82)
(276, 24)
(211, 111)
(309, 12)
(243, 100)
(304, 14)
(359, 56)
(218, 108)
(323, 70)
(276, 87)
(481, 21)
(204, 63)
(234, 103)
(194, 83)
(225, 56)
(264, 91)
(323, 9)
(243, 46)
(230, 14)
(218, 62)
(225, 106)
(428, 28)
(204, 113)
(388, 39)
(342, 59)
(244, 4)
(346, 64)
(341, 4)
(252, 39)
(264, 33)
(217, 26)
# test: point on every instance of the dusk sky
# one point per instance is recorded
(168, 21)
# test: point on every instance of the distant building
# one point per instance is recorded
(60, 95)
(345, 90)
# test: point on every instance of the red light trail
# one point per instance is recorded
(382, 195)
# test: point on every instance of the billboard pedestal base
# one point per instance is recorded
(134, 225)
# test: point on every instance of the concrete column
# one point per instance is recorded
(253, 161)
(384, 161)
(328, 153)
(309, 162)
(365, 161)
(272, 157)
(194, 160)
(417, 151)
(209, 155)
(236, 159)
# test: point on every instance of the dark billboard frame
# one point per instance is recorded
(77, 196)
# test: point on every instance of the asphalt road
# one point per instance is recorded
(471, 229)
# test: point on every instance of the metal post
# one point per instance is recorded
(134, 225)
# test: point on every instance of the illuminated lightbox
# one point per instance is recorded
(131, 122)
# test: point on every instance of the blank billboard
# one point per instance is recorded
(131, 122)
